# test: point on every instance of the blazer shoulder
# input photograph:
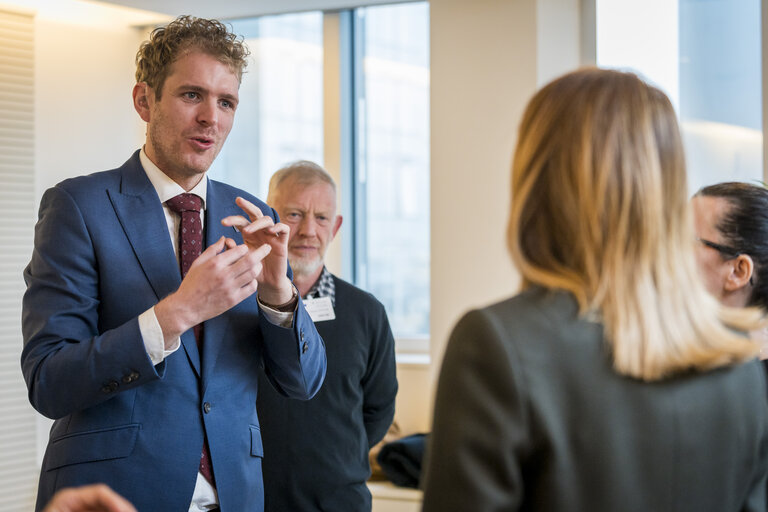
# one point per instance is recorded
(102, 179)
(537, 320)
(228, 193)
(531, 306)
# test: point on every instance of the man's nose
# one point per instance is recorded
(207, 113)
(307, 226)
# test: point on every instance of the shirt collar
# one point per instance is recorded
(323, 287)
(165, 187)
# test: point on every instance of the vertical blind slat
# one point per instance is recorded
(18, 470)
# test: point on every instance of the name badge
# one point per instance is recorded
(320, 309)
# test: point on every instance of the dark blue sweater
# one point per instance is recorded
(316, 452)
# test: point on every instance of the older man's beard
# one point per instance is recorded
(305, 266)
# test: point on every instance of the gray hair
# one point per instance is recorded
(304, 171)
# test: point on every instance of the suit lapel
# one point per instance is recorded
(218, 205)
(140, 213)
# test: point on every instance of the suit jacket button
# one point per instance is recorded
(130, 377)
(301, 335)
(207, 407)
(304, 347)
(110, 387)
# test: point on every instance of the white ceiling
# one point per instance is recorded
(225, 9)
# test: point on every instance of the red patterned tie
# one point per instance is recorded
(190, 247)
(191, 229)
(190, 237)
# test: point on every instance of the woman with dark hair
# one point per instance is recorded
(731, 224)
(613, 380)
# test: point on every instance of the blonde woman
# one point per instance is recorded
(613, 381)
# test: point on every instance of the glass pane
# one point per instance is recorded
(706, 55)
(393, 162)
(721, 91)
(280, 115)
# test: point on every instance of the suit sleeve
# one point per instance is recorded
(480, 431)
(294, 357)
(380, 381)
(67, 362)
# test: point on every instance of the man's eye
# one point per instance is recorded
(190, 95)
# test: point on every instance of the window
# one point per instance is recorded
(383, 64)
(281, 119)
(392, 50)
(707, 57)
(720, 90)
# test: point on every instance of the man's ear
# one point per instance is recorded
(741, 272)
(141, 93)
(336, 225)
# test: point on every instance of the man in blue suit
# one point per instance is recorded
(151, 371)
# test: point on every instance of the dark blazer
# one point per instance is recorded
(530, 415)
(103, 256)
(316, 452)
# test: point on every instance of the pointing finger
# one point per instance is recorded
(251, 209)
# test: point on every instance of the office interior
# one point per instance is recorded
(487, 57)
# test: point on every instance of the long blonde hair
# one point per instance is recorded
(600, 209)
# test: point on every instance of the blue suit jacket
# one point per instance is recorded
(102, 257)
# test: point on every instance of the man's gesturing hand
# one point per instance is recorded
(260, 230)
(217, 280)
(89, 498)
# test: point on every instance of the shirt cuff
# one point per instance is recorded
(152, 335)
(279, 318)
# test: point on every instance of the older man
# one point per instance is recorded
(316, 452)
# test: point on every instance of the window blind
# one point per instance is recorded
(18, 456)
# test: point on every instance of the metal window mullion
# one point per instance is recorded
(358, 102)
(340, 144)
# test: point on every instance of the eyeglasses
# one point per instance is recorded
(723, 249)
(730, 252)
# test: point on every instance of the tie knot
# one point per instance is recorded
(185, 203)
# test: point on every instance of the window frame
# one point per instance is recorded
(342, 78)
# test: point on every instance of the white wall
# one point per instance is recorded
(85, 121)
(487, 59)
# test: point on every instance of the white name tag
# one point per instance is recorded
(320, 309)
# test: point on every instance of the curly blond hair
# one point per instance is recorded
(185, 33)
